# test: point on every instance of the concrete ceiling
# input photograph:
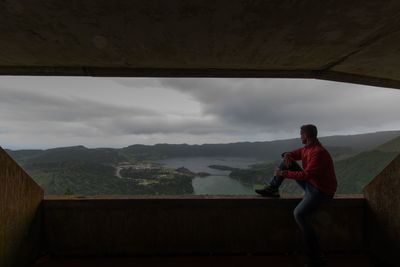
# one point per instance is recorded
(354, 41)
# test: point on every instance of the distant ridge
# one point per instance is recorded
(361, 142)
(338, 145)
(390, 146)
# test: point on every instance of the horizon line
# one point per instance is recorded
(274, 140)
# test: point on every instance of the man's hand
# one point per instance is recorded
(277, 172)
(287, 160)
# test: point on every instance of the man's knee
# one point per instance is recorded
(282, 165)
(293, 166)
(298, 215)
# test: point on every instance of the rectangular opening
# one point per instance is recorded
(189, 136)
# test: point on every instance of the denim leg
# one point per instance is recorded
(276, 181)
(313, 198)
(302, 184)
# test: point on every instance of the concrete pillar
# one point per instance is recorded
(20, 199)
(383, 214)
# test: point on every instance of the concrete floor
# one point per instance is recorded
(334, 260)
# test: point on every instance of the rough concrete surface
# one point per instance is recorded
(20, 199)
(187, 225)
(382, 196)
(275, 260)
(354, 41)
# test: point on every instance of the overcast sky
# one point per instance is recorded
(44, 112)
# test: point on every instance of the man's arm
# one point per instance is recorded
(313, 168)
(295, 154)
(288, 157)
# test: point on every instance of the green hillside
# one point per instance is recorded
(356, 172)
(89, 178)
(80, 170)
(353, 173)
(390, 146)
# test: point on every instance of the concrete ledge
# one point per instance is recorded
(156, 225)
(122, 201)
(347, 197)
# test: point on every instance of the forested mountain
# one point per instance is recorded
(80, 170)
(355, 172)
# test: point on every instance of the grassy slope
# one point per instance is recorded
(88, 178)
(357, 171)
(89, 171)
(353, 173)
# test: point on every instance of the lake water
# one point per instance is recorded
(218, 183)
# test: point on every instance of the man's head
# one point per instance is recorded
(308, 133)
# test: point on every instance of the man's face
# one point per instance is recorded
(303, 137)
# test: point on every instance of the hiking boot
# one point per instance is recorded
(268, 191)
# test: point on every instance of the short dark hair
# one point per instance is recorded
(310, 130)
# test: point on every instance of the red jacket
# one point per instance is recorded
(318, 167)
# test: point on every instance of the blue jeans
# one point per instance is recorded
(312, 199)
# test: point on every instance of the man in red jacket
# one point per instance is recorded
(318, 180)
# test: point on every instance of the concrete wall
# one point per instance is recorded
(20, 198)
(383, 213)
(192, 224)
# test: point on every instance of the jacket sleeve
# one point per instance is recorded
(313, 168)
(295, 154)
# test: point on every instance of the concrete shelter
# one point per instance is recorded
(350, 41)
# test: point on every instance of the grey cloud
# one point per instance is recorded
(230, 110)
(274, 104)
(184, 125)
(25, 106)
(34, 112)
